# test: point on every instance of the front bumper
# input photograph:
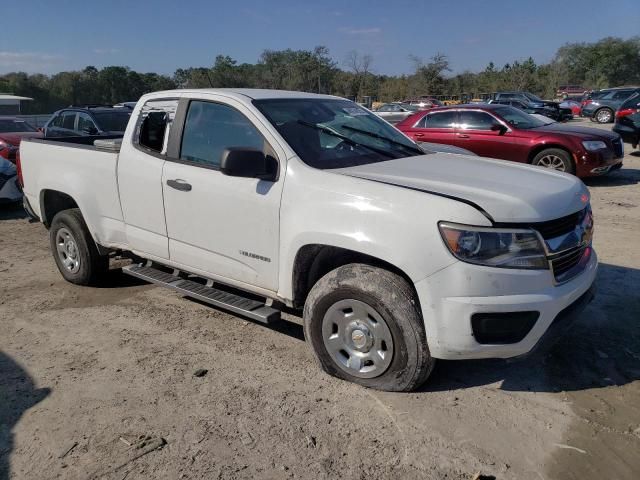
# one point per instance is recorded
(447, 314)
(598, 162)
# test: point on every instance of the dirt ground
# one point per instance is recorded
(85, 372)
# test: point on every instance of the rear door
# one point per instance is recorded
(436, 127)
(227, 227)
(140, 175)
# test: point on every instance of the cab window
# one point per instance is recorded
(210, 128)
(154, 124)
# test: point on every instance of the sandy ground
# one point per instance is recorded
(85, 372)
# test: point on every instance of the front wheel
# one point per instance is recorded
(73, 249)
(604, 115)
(365, 326)
(555, 159)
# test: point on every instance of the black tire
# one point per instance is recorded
(395, 301)
(91, 265)
(603, 115)
(548, 155)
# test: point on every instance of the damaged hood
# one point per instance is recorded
(506, 191)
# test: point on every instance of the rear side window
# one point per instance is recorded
(211, 128)
(154, 124)
(622, 94)
(438, 120)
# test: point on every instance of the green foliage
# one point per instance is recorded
(607, 63)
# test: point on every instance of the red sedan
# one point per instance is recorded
(12, 131)
(504, 132)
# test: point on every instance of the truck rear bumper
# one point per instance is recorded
(506, 312)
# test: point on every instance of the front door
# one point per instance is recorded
(474, 132)
(227, 227)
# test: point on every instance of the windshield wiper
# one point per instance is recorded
(344, 138)
(382, 137)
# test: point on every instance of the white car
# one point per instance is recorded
(395, 112)
(394, 257)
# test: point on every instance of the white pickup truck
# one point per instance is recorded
(255, 199)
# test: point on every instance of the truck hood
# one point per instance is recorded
(505, 191)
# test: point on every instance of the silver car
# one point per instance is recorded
(395, 112)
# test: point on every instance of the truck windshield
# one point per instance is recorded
(112, 121)
(327, 133)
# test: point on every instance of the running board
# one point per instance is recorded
(247, 307)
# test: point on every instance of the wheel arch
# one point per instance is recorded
(313, 261)
(547, 146)
(53, 202)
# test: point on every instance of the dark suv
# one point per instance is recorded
(600, 105)
(94, 120)
(531, 103)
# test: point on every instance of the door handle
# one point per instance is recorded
(463, 135)
(179, 185)
(418, 134)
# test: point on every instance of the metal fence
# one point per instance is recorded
(35, 120)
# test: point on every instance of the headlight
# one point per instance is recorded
(495, 247)
(594, 145)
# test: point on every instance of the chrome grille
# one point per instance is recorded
(552, 228)
(564, 263)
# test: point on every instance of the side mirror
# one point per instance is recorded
(248, 163)
(90, 130)
(498, 127)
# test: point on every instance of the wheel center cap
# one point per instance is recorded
(359, 338)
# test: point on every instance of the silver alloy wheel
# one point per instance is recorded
(552, 161)
(357, 338)
(67, 249)
(604, 115)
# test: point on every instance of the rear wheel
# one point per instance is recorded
(73, 249)
(556, 159)
(364, 325)
(604, 115)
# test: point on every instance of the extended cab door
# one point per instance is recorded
(140, 175)
(227, 227)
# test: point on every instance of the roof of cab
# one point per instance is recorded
(244, 93)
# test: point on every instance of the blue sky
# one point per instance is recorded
(162, 35)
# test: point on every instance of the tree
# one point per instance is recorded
(428, 78)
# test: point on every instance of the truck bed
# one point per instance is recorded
(82, 171)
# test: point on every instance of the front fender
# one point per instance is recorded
(394, 224)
